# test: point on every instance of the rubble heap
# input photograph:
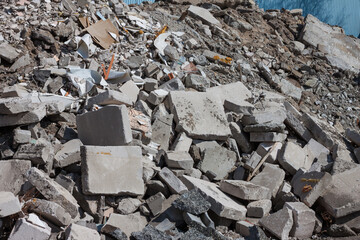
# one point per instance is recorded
(176, 120)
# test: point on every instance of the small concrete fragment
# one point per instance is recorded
(316, 128)
(130, 90)
(353, 136)
(23, 118)
(75, 231)
(179, 160)
(304, 220)
(53, 191)
(9, 53)
(204, 15)
(200, 115)
(182, 143)
(296, 125)
(315, 149)
(68, 154)
(162, 130)
(245, 190)
(259, 209)
(126, 223)
(12, 175)
(155, 203)
(38, 153)
(109, 126)
(9, 204)
(21, 136)
(279, 223)
(265, 147)
(128, 205)
(240, 137)
(221, 204)
(272, 177)
(122, 165)
(174, 183)
(309, 186)
(342, 197)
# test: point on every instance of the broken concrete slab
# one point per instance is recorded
(53, 191)
(315, 149)
(112, 127)
(182, 143)
(204, 15)
(239, 106)
(309, 186)
(340, 50)
(353, 136)
(265, 127)
(9, 204)
(179, 160)
(15, 90)
(259, 209)
(265, 147)
(296, 125)
(110, 97)
(192, 109)
(241, 138)
(155, 203)
(264, 117)
(68, 154)
(174, 184)
(50, 211)
(162, 130)
(38, 153)
(8, 52)
(292, 157)
(245, 190)
(221, 204)
(31, 228)
(279, 223)
(128, 205)
(122, 165)
(131, 90)
(12, 175)
(21, 136)
(304, 220)
(33, 116)
(232, 93)
(125, 223)
(192, 202)
(75, 231)
(272, 177)
(218, 160)
(342, 197)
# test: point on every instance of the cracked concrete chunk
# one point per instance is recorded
(272, 177)
(200, 115)
(68, 154)
(304, 220)
(122, 165)
(293, 157)
(279, 223)
(173, 183)
(31, 228)
(12, 175)
(75, 231)
(9, 204)
(245, 190)
(204, 15)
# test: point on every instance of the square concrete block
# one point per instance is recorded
(109, 126)
(112, 170)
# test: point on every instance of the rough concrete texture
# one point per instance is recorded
(9, 204)
(279, 223)
(245, 190)
(12, 175)
(122, 165)
(180, 160)
(112, 127)
(342, 197)
(221, 204)
(200, 115)
(304, 219)
(52, 191)
(75, 231)
(259, 209)
(272, 177)
(25, 229)
(68, 154)
(292, 157)
(174, 184)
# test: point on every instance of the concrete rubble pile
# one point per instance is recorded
(176, 120)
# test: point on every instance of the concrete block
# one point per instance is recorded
(262, 117)
(304, 220)
(8, 52)
(222, 205)
(200, 115)
(128, 205)
(23, 118)
(155, 203)
(259, 209)
(315, 149)
(197, 82)
(232, 93)
(131, 90)
(204, 15)
(267, 137)
(357, 154)
(265, 127)
(272, 177)
(309, 186)
(75, 231)
(239, 107)
(174, 184)
(265, 147)
(51, 211)
(52, 191)
(241, 138)
(317, 130)
(292, 157)
(244, 228)
(30, 229)
(122, 165)
(68, 154)
(37, 153)
(157, 96)
(21, 136)
(162, 130)
(293, 122)
(342, 197)
(179, 160)
(192, 202)
(174, 84)
(253, 161)
(245, 190)
(110, 97)
(353, 136)
(218, 160)
(109, 126)
(125, 223)
(279, 223)
(14, 91)
(12, 175)
(150, 84)
(182, 143)
(9, 204)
